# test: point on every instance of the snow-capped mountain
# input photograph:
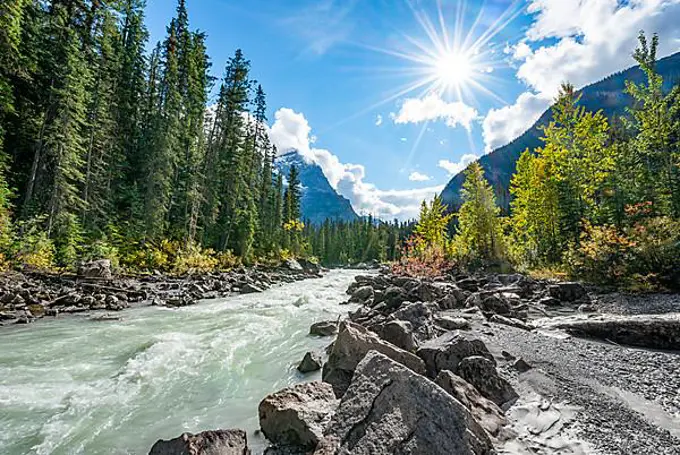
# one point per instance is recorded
(319, 200)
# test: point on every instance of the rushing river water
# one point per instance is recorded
(77, 386)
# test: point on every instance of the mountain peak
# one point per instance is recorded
(320, 201)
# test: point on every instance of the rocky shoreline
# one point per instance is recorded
(492, 364)
(26, 297)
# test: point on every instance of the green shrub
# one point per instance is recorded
(643, 256)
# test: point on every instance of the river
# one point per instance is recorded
(77, 386)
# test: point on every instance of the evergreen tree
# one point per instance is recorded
(479, 228)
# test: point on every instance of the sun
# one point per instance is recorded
(452, 70)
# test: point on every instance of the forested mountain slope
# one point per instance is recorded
(607, 95)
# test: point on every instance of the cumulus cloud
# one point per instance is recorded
(291, 131)
(501, 126)
(432, 107)
(418, 177)
(589, 39)
(378, 120)
(454, 168)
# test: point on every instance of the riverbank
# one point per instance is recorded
(533, 367)
(26, 297)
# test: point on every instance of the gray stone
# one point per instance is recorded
(487, 413)
(352, 344)
(362, 294)
(310, 362)
(646, 331)
(96, 269)
(324, 328)
(219, 442)
(449, 323)
(568, 291)
(400, 334)
(481, 373)
(520, 365)
(512, 322)
(297, 416)
(447, 351)
(394, 296)
(292, 264)
(389, 409)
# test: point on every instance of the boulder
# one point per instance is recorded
(646, 331)
(297, 416)
(394, 296)
(512, 322)
(481, 373)
(487, 413)
(310, 362)
(400, 334)
(251, 288)
(362, 294)
(448, 350)
(324, 328)
(567, 291)
(293, 265)
(219, 442)
(454, 298)
(389, 409)
(449, 323)
(96, 269)
(521, 366)
(420, 315)
(352, 344)
(468, 284)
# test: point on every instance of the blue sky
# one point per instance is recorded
(332, 68)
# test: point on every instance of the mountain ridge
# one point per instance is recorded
(607, 95)
(319, 201)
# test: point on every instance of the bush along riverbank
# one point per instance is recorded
(25, 297)
(477, 364)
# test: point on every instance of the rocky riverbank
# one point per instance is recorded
(26, 297)
(477, 365)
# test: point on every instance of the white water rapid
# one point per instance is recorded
(76, 386)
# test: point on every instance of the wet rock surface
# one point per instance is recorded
(220, 442)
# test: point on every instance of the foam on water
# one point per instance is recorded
(75, 386)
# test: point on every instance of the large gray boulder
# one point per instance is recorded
(100, 268)
(400, 334)
(352, 344)
(646, 331)
(447, 351)
(324, 328)
(296, 417)
(393, 297)
(219, 442)
(567, 291)
(487, 413)
(389, 409)
(362, 294)
(481, 373)
(310, 362)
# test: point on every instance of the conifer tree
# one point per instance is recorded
(479, 227)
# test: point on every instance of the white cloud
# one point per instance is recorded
(590, 40)
(418, 177)
(432, 107)
(454, 168)
(501, 126)
(292, 131)
(378, 120)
